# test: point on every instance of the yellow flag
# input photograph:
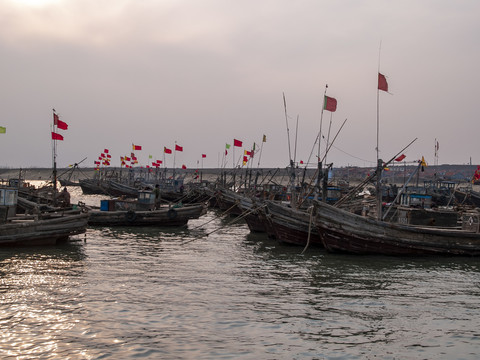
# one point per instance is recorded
(423, 163)
(3, 130)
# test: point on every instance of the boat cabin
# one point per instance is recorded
(416, 200)
(145, 201)
(8, 203)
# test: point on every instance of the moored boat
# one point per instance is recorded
(343, 231)
(38, 229)
(144, 211)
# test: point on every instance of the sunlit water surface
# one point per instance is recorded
(120, 293)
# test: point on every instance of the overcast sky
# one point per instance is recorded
(201, 73)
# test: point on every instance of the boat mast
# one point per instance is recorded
(54, 155)
(292, 165)
(319, 162)
(379, 161)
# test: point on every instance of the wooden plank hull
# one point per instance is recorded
(162, 217)
(342, 231)
(292, 226)
(42, 232)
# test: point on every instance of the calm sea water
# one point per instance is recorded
(125, 293)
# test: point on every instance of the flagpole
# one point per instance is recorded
(54, 162)
(321, 122)
(379, 165)
(328, 137)
(378, 97)
(260, 155)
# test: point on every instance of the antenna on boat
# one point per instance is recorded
(296, 136)
(288, 130)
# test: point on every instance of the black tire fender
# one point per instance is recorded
(130, 216)
(172, 214)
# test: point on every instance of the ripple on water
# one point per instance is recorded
(178, 293)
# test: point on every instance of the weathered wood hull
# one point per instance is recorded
(48, 231)
(293, 226)
(92, 187)
(162, 217)
(342, 231)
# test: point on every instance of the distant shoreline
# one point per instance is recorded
(457, 173)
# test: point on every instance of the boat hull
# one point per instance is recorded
(162, 217)
(293, 226)
(342, 231)
(42, 231)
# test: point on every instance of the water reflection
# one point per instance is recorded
(145, 292)
(39, 297)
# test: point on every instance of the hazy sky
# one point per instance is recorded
(201, 73)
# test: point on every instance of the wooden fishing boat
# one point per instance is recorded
(292, 226)
(343, 231)
(165, 216)
(228, 200)
(39, 229)
(42, 229)
(144, 211)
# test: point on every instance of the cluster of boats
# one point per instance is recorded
(433, 220)
(436, 219)
(30, 216)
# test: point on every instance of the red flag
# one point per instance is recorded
(178, 148)
(159, 162)
(226, 152)
(60, 124)
(301, 161)
(105, 151)
(237, 143)
(382, 82)
(204, 155)
(166, 150)
(401, 157)
(136, 147)
(245, 159)
(56, 136)
(329, 103)
(184, 167)
(102, 155)
(248, 153)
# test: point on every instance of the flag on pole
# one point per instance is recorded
(204, 155)
(401, 157)
(166, 150)
(329, 103)
(423, 163)
(237, 143)
(60, 124)
(56, 136)
(264, 138)
(3, 129)
(136, 147)
(178, 148)
(184, 167)
(227, 146)
(382, 83)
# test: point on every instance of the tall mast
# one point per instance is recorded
(379, 162)
(54, 148)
